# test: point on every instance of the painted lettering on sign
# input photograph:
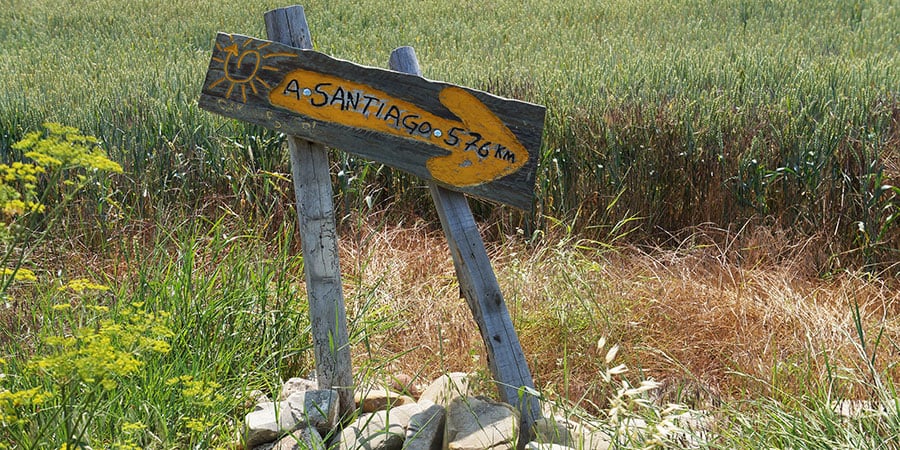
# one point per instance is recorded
(481, 147)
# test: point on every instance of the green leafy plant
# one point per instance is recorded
(199, 398)
(80, 366)
(56, 164)
(59, 392)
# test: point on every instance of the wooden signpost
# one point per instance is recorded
(458, 139)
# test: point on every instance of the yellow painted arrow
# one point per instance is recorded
(480, 147)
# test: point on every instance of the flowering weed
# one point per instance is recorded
(87, 350)
(103, 353)
(79, 370)
(199, 398)
(56, 153)
(56, 163)
(62, 147)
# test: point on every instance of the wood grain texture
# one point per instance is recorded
(243, 71)
(315, 210)
(480, 288)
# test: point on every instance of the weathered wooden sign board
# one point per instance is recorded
(466, 140)
(458, 139)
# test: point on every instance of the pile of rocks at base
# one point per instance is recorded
(444, 416)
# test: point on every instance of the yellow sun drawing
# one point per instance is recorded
(241, 62)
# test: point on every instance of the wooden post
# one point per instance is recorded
(480, 288)
(315, 212)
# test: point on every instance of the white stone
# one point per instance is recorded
(268, 423)
(376, 399)
(477, 424)
(538, 446)
(426, 428)
(297, 385)
(319, 409)
(259, 406)
(381, 430)
(304, 438)
(445, 388)
(552, 431)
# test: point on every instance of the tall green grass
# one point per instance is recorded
(238, 322)
(683, 112)
(235, 306)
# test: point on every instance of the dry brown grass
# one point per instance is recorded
(713, 322)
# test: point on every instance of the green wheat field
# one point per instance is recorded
(686, 141)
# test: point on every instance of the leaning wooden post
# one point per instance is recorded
(479, 286)
(315, 212)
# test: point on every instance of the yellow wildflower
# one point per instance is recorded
(34, 396)
(14, 207)
(79, 285)
(199, 388)
(103, 354)
(64, 146)
(131, 427)
(20, 274)
(127, 445)
(157, 345)
(181, 379)
(195, 424)
(43, 160)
